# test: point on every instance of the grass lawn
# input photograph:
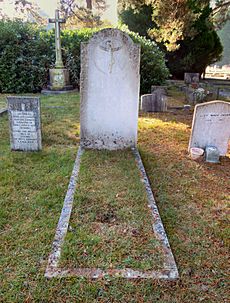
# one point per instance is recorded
(192, 198)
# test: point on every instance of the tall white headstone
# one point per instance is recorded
(211, 126)
(110, 83)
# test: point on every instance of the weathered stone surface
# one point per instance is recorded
(199, 95)
(25, 123)
(109, 90)
(212, 154)
(59, 79)
(211, 126)
(190, 78)
(59, 76)
(156, 102)
(194, 96)
(164, 88)
(174, 82)
(57, 20)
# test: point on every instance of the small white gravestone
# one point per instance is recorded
(211, 126)
(25, 123)
(110, 83)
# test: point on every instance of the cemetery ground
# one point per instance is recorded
(192, 198)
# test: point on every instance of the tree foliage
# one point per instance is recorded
(78, 13)
(174, 20)
(25, 56)
(82, 16)
(139, 21)
(195, 54)
(29, 11)
(221, 13)
(183, 29)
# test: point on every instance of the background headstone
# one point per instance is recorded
(162, 87)
(190, 78)
(25, 123)
(194, 96)
(156, 102)
(211, 126)
(110, 82)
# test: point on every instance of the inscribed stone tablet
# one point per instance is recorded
(25, 123)
(211, 126)
(109, 90)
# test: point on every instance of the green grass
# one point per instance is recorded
(111, 224)
(192, 198)
(2, 102)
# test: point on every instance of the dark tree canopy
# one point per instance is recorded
(174, 19)
(184, 29)
(139, 21)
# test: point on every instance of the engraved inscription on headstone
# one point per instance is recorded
(110, 80)
(25, 123)
(211, 126)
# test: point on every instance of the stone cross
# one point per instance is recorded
(57, 21)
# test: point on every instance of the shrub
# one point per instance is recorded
(153, 69)
(27, 53)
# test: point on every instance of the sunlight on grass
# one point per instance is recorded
(148, 123)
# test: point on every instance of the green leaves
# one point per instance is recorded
(24, 57)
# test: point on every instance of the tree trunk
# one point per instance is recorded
(89, 4)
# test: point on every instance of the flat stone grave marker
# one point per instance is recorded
(25, 123)
(110, 80)
(211, 126)
(190, 78)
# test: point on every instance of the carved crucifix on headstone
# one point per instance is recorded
(58, 21)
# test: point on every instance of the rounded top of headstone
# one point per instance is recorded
(111, 32)
(214, 102)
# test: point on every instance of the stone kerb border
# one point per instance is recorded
(169, 272)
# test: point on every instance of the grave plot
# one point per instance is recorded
(110, 230)
(110, 224)
(115, 228)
